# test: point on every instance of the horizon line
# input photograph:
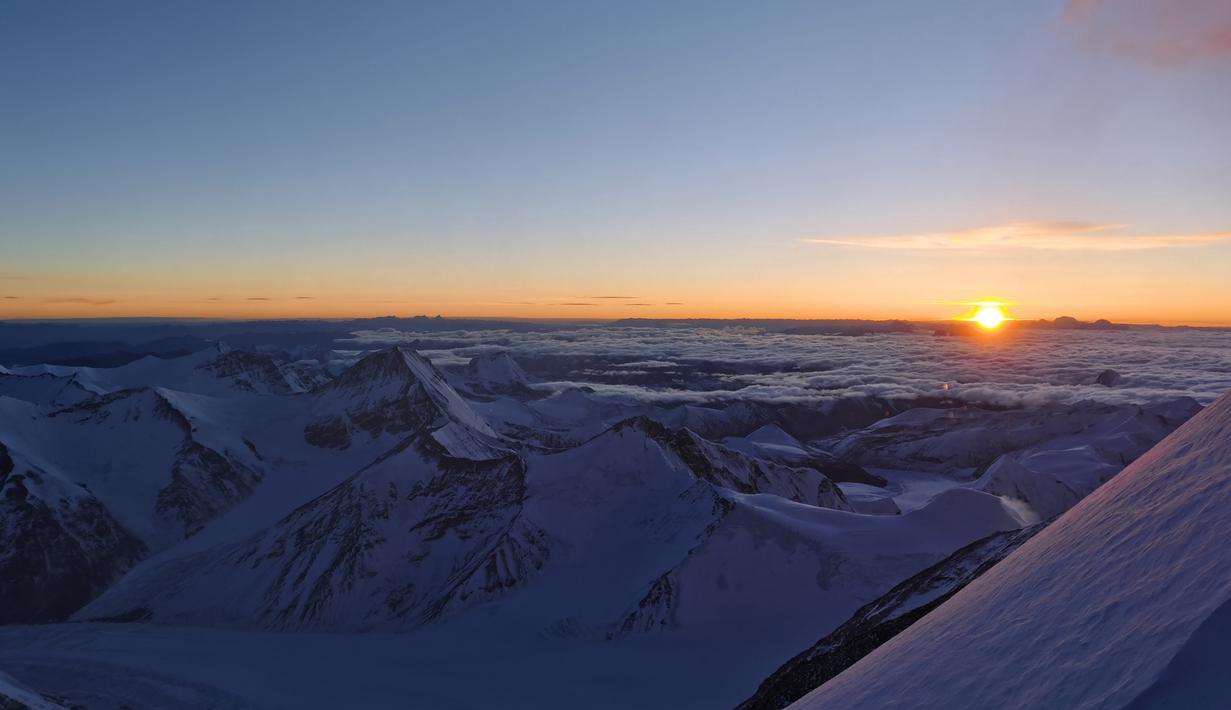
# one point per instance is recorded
(1219, 325)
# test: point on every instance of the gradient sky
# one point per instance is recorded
(811, 159)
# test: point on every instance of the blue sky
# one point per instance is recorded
(466, 158)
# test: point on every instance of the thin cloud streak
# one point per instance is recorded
(1046, 236)
(82, 301)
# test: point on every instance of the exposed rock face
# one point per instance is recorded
(94, 488)
(59, 547)
(413, 536)
(198, 482)
(252, 372)
(203, 484)
(727, 468)
(392, 392)
(881, 620)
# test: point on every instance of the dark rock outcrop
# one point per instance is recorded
(877, 622)
(59, 546)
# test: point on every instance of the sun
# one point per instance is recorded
(990, 315)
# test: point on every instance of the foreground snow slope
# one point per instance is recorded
(14, 696)
(1118, 603)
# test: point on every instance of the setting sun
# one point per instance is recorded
(990, 315)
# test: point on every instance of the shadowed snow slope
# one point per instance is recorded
(18, 697)
(1094, 612)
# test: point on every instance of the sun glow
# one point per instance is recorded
(990, 315)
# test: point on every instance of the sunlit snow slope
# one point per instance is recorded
(1122, 602)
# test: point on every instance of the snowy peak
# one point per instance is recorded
(59, 546)
(733, 470)
(397, 391)
(495, 373)
(252, 372)
(173, 482)
(1035, 495)
(496, 369)
(123, 407)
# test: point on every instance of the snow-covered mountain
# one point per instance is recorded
(218, 370)
(91, 488)
(395, 392)
(393, 545)
(1121, 602)
(247, 491)
(59, 545)
(425, 532)
(496, 373)
(44, 389)
(1083, 445)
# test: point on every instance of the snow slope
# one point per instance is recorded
(1119, 603)
(15, 696)
(882, 619)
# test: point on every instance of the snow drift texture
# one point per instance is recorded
(1122, 602)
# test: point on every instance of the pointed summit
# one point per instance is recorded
(731, 469)
(496, 370)
(397, 391)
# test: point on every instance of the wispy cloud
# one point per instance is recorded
(1161, 33)
(616, 297)
(12, 298)
(82, 301)
(257, 298)
(1049, 236)
(575, 303)
(305, 298)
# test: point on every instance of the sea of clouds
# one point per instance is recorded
(665, 365)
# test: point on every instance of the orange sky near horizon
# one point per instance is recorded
(739, 301)
(754, 278)
(816, 160)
